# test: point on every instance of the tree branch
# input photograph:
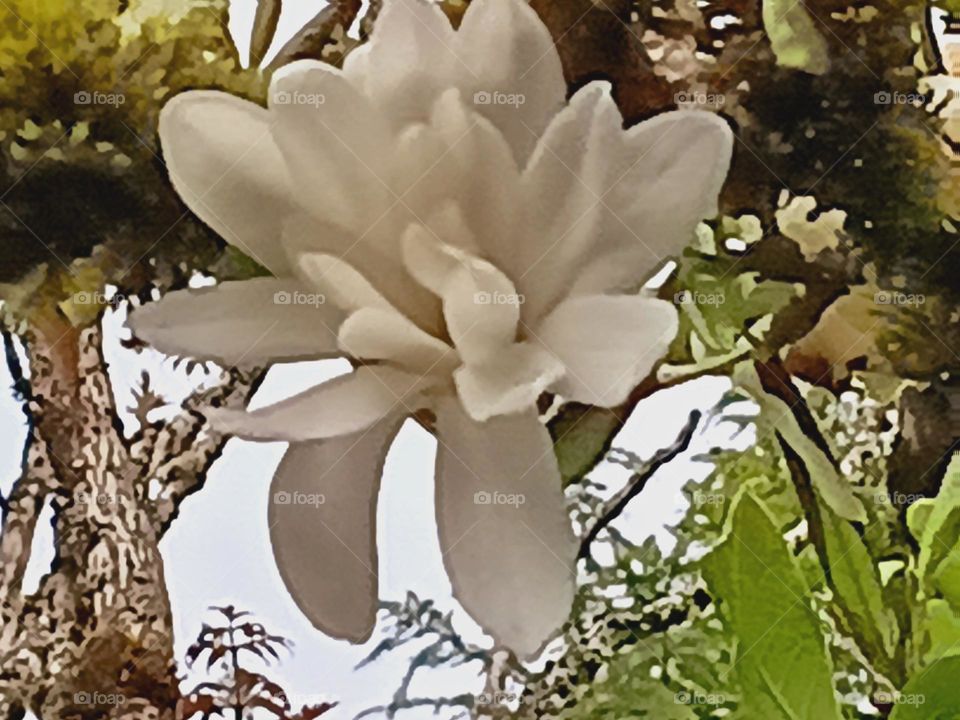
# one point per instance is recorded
(615, 506)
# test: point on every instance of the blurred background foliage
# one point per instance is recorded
(816, 572)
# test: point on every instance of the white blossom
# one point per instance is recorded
(440, 213)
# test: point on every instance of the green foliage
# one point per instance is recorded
(782, 663)
(82, 87)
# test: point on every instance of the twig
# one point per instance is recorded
(614, 507)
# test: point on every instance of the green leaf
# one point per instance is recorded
(932, 694)
(776, 415)
(935, 524)
(940, 629)
(794, 36)
(857, 584)
(782, 665)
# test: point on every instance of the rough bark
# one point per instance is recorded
(95, 640)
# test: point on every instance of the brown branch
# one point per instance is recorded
(615, 506)
(776, 381)
(186, 447)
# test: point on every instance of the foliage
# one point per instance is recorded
(240, 690)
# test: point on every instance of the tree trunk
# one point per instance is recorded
(95, 640)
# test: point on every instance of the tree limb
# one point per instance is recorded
(615, 506)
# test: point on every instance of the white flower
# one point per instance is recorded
(440, 212)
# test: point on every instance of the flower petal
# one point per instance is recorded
(511, 563)
(323, 518)
(243, 323)
(469, 163)
(608, 343)
(346, 287)
(678, 162)
(347, 404)
(378, 334)
(510, 382)
(412, 55)
(512, 56)
(480, 304)
(224, 163)
(563, 187)
(335, 142)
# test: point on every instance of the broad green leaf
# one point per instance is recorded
(940, 630)
(775, 415)
(935, 524)
(794, 36)
(782, 664)
(857, 583)
(932, 694)
(946, 577)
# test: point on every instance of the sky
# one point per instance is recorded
(218, 550)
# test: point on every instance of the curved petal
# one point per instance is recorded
(480, 304)
(504, 531)
(243, 323)
(224, 163)
(607, 343)
(346, 287)
(679, 161)
(510, 382)
(412, 55)
(335, 142)
(563, 187)
(323, 518)
(347, 404)
(378, 334)
(470, 162)
(516, 80)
